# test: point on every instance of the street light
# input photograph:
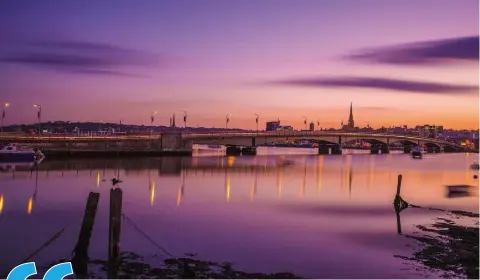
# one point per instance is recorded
(227, 120)
(305, 121)
(39, 115)
(4, 108)
(152, 117)
(184, 117)
(256, 120)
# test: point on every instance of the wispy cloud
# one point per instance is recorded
(428, 52)
(82, 57)
(381, 83)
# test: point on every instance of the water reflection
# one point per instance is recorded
(280, 182)
(254, 230)
(98, 179)
(152, 191)
(29, 205)
(319, 173)
(253, 190)
(371, 172)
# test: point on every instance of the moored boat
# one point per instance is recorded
(459, 189)
(14, 153)
(475, 166)
(417, 152)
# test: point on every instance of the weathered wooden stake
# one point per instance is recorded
(80, 258)
(115, 224)
(399, 204)
(399, 184)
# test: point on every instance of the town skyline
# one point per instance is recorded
(402, 63)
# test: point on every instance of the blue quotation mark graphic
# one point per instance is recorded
(25, 270)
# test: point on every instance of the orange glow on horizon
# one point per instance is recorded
(1, 203)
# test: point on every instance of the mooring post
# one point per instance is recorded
(114, 232)
(398, 200)
(399, 204)
(399, 184)
(80, 258)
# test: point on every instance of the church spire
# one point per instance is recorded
(351, 123)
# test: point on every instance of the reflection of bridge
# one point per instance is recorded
(164, 166)
(330, 142)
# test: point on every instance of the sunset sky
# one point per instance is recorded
(400, 62)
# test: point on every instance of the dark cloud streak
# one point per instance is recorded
(382, 83)
(82, 57)
(421, 53)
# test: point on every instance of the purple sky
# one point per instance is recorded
(111, 60)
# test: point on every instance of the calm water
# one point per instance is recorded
(324, 216)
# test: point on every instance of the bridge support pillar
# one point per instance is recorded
(433, 149)
(407, 149)
(233, 151)
(384, 149)
(374, 149)
(323, 150)
(249, 151)
(448, 149)
(336, 150)
(174, 141)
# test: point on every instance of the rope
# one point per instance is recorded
(146, 236)
(49, 241)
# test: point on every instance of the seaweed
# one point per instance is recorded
(448, 247)
(134, 266)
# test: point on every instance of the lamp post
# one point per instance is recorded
(305, 121)
(39, 116)
(152, 117)
(256, 119)
(4, 108)
(185, 118)
(227, 120)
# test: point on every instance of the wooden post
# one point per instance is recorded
(399, 222)
(80, 258)
(399, 204)
(399, 184)
(114, 231)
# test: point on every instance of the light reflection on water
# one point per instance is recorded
(316, 218)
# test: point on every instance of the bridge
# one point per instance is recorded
(329, 142)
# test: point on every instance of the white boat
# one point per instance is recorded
(13, 153)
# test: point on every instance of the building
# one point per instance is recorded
(272, 126)
(429, 131)
(312, 126)
(350, 124)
